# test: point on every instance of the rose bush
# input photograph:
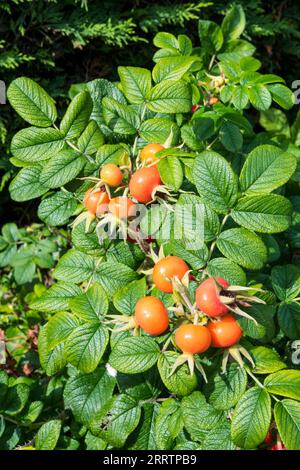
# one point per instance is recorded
(196, 365)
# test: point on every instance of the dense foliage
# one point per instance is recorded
(107, 387)
(63, 42)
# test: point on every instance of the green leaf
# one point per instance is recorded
(251, 418)
(85, 241)
(282, 95)
(77, 115)
(243, 247)
(266, 213)
(92, 305)
(120, 117)
(204, 126)
(24, 271)
(266, 360)
(163, 436)
(134, 354)
(62, 168)
(194, 207)
(59, 328)
(286, 281)
(225, 390)
(218, 439)
(111, 153)
(231, 137)
(48, 434)
(158, 130)
(285, 383)
(10, 232)
(116, 420)
(94, 443)
(171, 68)
(57, 209)
(227, 269)
(56, 298)
(275, 120)
(135, 82)
(198, 416)
(143, 436)
(33, 411)
(240, 97)
(185, 45)
(195, 258)
(86, 394)
(215, 181)
(15, 399)
(74, 266)
(268, 78)
(51, 361)
(165, 40)
(267, 167)
(113, 275)
(91, 139)
(289, 319)
(264, 330)
(26, 185)
(125, 298)
(31, 102)
(10, 437)
(86, 346)
(35, 144)
(181, 382)
(171, 172)
(170, 96)
(234, 23)
(287, 417)
(259, 97)
(211, 36)
(250, 64)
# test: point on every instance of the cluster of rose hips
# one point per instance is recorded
(142, 186)
(209, 322)
(221, 329)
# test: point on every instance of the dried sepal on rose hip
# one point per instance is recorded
(191, 339)
(96, 202)
(215, 297)
(150, 315)
(225, 334)
(166, 270)
(120, 210)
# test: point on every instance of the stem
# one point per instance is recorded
(211, 62)
(137, 135)
(70, 144)
(213, 245)
(88, 157)
(254, 378)
(212, 143)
